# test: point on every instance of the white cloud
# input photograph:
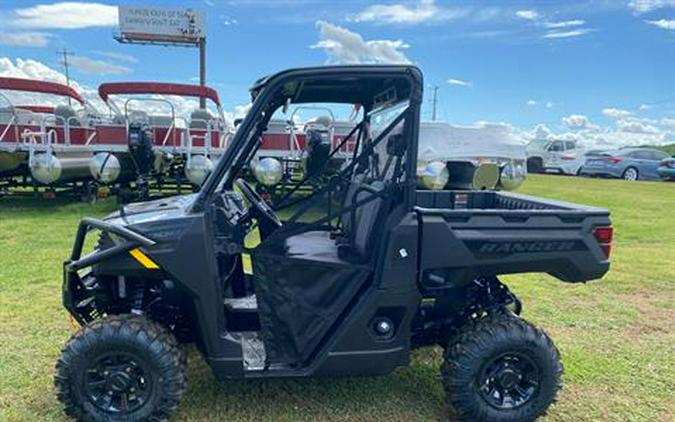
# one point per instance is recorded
(664, 24)
(64, 15)
(636, 126)
(33, 69)
(97, 67)
(566, 34)
(627, 132)
(668, 122)
(549, 104)
(555, 29)
(24, 39)
(30, 69)
(346, 47)
(424, 11)
(239, 112)
(564, 24)
(576, 121)
(644, 6)
(616, 113)
(532, 102)
(540, 132)
(459, 82)
(117, 56)
(644, 107)
(529, 15)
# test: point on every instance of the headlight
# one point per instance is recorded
(434, 175)
(268, 171)
(512, 176)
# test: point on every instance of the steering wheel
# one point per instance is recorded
(258, 203)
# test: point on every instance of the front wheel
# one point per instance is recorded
(503, 369)
(535, 165)
(121, 368)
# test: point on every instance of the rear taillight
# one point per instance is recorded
(615, 160)
(604, 235)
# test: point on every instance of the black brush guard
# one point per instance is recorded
(77, 297)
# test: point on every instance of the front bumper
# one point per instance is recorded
(76, 286)
(666, 172)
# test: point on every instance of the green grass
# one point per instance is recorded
(617, 336)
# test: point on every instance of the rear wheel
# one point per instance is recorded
(121, 368)
(631, 174)
(501, 369)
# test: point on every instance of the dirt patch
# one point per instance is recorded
(656, 313)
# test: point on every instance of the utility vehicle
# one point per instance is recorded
(353, 278)
(554, 156)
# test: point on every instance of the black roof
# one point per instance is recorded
(344, 83)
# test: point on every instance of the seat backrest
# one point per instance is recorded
(160, 121)
(367, 216)
(346, 218)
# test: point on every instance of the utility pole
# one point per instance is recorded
(435, 100)
(64, 61)
(202, 69)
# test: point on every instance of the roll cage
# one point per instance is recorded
(370, 86)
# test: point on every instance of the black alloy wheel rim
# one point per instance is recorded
(117, 383)
(509, 381)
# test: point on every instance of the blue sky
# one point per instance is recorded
(588, 69)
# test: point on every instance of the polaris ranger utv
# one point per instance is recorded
(356, 275)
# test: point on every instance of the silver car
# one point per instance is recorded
(625, 163)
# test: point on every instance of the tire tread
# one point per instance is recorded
(465, 348)
(159, 341)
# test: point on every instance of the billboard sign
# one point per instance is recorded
(148, 24)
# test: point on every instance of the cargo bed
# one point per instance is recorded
(489, 233)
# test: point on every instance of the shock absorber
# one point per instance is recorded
(137, 299)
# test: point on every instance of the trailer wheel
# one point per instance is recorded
(121, 368)
(502, 369)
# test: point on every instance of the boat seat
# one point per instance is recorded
(6, 114)
(160, 121)
(199, 119)
(65, 114)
